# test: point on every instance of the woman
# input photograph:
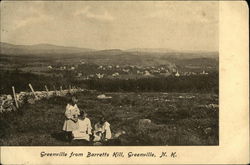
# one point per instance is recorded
(71, 121)
(102, 130)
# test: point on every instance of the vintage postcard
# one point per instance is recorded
(124, 82)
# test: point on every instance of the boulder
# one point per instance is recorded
(9, 97)
(144, 122)
(103, 96)
(119, 133)
(31, 101)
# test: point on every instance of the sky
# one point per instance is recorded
(112, 25)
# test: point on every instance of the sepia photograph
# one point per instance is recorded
(109, 73)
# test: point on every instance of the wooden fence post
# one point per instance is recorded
(32, 90)
(47, 90)
(55, 89)
(61, 92)
(69, 88)
(14, 94)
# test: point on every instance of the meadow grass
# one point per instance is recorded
(177, 119)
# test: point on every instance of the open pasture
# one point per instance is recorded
(176, 119)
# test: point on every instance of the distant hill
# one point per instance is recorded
(48, 49)
(150, 50)
(39, 49)
(138, 56)
(168, 51)
(108, 52)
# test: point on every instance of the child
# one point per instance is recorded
(102, 130)
(71, 114)
(84, 129)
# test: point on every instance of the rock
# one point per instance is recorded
(208, 130)
(119, 133)
(103, 96)
(144, 121)
(9, 97)
(31, 101)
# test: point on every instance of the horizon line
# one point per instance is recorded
(122, 49)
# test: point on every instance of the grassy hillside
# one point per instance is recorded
(177, 119)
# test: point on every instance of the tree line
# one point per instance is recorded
(196, 83)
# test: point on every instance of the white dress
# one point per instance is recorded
(70, 113)
(104, 130)
(84, 129)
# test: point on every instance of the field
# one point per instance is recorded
(177, 119)
(137, 80)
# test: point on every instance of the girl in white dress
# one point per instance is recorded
(71, 121)
(102, 130)
(84, 130)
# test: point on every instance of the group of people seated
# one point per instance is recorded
(78, 126)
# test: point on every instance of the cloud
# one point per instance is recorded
(31, 20)
(104, 16)
(23, 16)
(125, 24)
(184, 13)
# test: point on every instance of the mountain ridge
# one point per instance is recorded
(49, 49)
(38, 49)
